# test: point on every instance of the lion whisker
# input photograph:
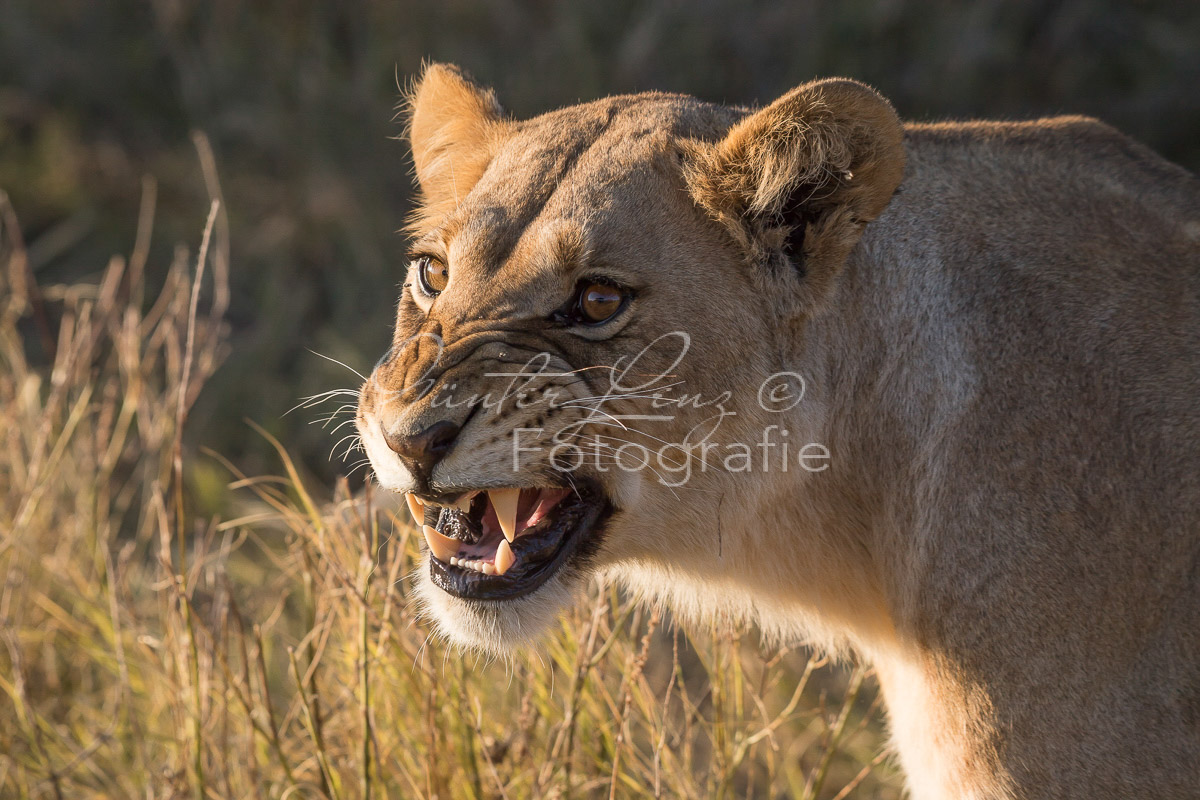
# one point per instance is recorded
(317, 399)
(332, 450)
(339, 363)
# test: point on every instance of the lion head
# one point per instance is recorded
(593, 366)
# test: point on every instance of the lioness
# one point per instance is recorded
(929, 392)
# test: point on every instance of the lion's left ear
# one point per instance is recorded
(796, 182)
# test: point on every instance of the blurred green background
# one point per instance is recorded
(298, 100)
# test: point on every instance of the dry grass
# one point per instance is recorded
(150, 651)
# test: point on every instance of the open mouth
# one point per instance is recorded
(498, 544)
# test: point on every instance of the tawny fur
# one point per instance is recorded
(999, 329)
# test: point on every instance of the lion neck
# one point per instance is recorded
(849, 587)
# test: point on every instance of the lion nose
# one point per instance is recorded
(422, 451)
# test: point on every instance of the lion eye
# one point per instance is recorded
(598, 302)
(432, 275)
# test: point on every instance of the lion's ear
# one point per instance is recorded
(796, 182)
(454, 127)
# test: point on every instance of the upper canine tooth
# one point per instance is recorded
(442, 547)
(505, 503)
(415, 508)
(504, 558)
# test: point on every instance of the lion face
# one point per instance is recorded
(593, 306)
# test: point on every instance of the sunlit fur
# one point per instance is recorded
(999, 331)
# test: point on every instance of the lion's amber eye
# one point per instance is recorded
(599, 301)
(431, 274)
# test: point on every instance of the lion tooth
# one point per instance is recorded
(443, 547)
(416, 508)
(463, 503)
(504, 558)
(505, 503)
(488, 569)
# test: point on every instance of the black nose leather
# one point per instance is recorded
(422, 451)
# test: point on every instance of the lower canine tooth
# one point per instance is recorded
(504, 558)
(443, 547)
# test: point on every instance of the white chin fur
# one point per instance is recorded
(496, 627)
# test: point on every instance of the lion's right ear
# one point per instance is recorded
(796, 182)
(454, 128)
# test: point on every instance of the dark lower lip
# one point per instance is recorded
(545, 553)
